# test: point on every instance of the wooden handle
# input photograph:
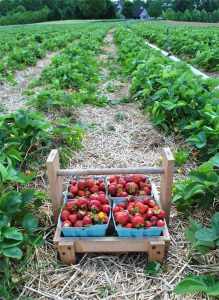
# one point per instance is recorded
(111, 171)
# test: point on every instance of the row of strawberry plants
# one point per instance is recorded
(73, 75)
(182, 103)
(27, 138)
(24, 48)
(178, 102)
(197, 45)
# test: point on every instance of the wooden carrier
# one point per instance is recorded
(68, 247)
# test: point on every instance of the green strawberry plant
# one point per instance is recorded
(200, 189)
(191, 284)
(204, 239)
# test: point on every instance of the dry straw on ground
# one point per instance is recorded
(113, 141)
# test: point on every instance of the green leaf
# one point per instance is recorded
(4, 220)
(3, 171)
(214, 290)
(215, 222)
(10, 202)
(191, 284)
(205, 167)
(194, 226)
(13, 252)
(13, 233)
(215, 160)
(27, 196)
(30, 223)
(206, 234)
(152, 268)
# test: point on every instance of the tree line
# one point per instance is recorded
(29, 11)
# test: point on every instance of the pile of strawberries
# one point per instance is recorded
(138, 214)
(122, 186)
(90, 205)
(85, 187)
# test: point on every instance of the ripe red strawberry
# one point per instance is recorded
(94, 205)
(78, 223)
(94, 189)
(122, 181)
(127, 178)
(160, 223)
(71, 205)
(87, 221)
(112, 179)
(142, 184)
(72, 182)
(130, 198)
(105, 208)
(102, 186)
(131, 210)
(73, 218)
(81, 184)
(87, 194)
(105, 201)
(81, 193)
(102, 198)
(124, 194)
(27, 172)
(116, 209)
(99, 181)
(82, 203)
(112, 189)
(148, 224)
(147, 191)
(65, 215)
(154, 220)
(70, 196)
(138, 221)
(105, 219)
(117, 177)
(121, 204)
(90, 183)
(122, 217)
(94, 197)
(80, 215)
(161, 215)
(143, 178)
(140, 206)
(66, 223)
(146, 200)
(136, 178)
(149, 213)
(131, 187)
(151, 203)
(128, 225)
(73, 190)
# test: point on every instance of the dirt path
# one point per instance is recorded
(192, 23)
(11, 97)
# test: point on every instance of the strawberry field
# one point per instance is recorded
(105, 99)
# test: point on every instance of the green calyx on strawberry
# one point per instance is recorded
(131, 187)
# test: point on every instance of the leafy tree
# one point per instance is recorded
(215, 16)
(19, 9)
(187, 16)
(110, 12)
(204, 16)
(196, 15)
(56, 14)
(179, 16)
(154, 8)
(128, 9)
(93, 9)
(170, 14)
(68, 13)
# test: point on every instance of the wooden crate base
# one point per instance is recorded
(68, 247)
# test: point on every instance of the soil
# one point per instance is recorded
(12, 97)
(192, 23)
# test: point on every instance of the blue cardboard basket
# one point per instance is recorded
(89, 231)
(135, 232)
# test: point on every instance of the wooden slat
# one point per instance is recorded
(110, 171)
(67, 252)
(156, 251)
(55, 183)
(167, 182)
